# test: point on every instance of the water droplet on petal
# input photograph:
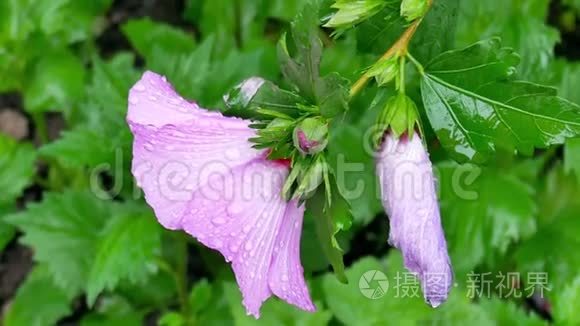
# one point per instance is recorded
(218, 243)
(219, 221)
(149, 147)
(139, 88)
(284, 277)
(233, 248)
(248, 246)
(247, 228)
(152, 98)
(133, 100)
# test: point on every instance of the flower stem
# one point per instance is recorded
(399, 47)
(417, 64)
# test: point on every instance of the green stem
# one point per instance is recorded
(417, 64)
(402, 75)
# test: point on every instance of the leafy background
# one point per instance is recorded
(78, 245)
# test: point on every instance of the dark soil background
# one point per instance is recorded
(16, 260)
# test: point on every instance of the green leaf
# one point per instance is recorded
(127, 251)
(273, 312)
(57, 84)
(329, 220)
(300, 64)
(353, 168)
(566, 304)
(556, 259)
(64, 231)
(7, 231)
(520, 25)
(200, 296)
(113, 311)
(474, 109)
(38, 301)
(437, 30)
(507, 313)
(79, 147)
(352, 307)
(572, 157)
(16, 168)
(484, 211)
(146, 35)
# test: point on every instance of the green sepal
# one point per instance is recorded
(400, 116)
(351, 12)
(413, 9)
(267, 103)
(385, 70)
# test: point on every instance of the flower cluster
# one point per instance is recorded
(201, 173)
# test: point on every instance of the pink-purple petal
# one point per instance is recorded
(200, 173)
(409, 197)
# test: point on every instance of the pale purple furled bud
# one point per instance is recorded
(410, 200)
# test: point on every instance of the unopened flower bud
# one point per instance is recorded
(409, 197)
(311, 135)
(413, 9)
(353, 12)
(385, 70)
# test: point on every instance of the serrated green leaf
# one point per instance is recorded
(300, 53)
(474, 110)
(520, 25)
(567, 302)
(64, 231)
(80, 147)
(145, 35)
(16, 168)
(273, 312)
(127, 251)
(57, 84)
(483, 212)
(548, 251)
(113, 311)
(38, 302)
(505, 312)
(352, 307)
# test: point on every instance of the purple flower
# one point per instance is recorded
(409, 198)
(200, 173)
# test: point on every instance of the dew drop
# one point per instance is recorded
(218, 221)
(152, 98)
(247, 228)
(233, 248)
(252, 275)
(133, 100)
(218, 243)
(284, 277)
(139, 88)
(235, 208)
(149, 147)
(248, 246)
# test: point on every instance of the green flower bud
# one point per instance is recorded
(385, 70)
(413, 9)
(400, 115)
(311, 135)
(352, 12)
